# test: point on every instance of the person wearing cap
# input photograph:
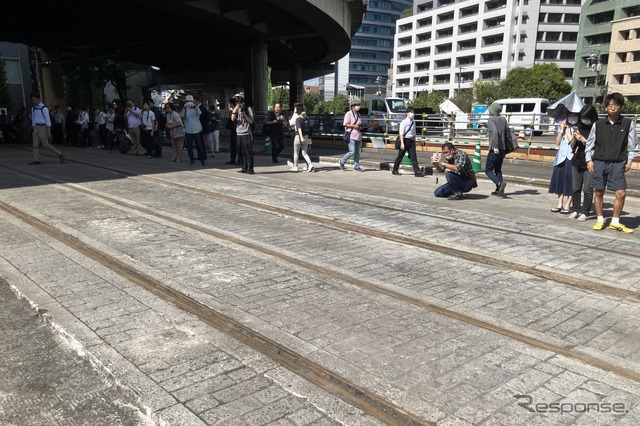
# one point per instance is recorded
(498, 130)
(41, 122)
(190, 115)
(352, 124)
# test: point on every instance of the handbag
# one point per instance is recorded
(346, 136)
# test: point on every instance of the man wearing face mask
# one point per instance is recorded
(407, 133)
(352, 124)
(460, 176)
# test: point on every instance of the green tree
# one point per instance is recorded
(539, 81)
(5, 98)
(485, 92)
(311, 103)
(338, 105)
(427, 100)
(464, 100)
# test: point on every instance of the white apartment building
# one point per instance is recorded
(446, 45)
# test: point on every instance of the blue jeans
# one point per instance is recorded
(456, 184)
(494, 166)
(354, 149)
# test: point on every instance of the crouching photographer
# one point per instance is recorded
(460, 177)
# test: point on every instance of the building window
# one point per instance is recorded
(568, 55)
(424, 37)
(469, 11)
(425, 6)
(443, 63)
(566, 36)
(423, 52)
(467, 44)
(404, 68)
(12, 71)
(601, 18)
(468, 28)
(444, 48)
(424, 22)
(491, 40)
(445, 32)
(445, 17)
(422, 66)
(635, 78)
(552, 36)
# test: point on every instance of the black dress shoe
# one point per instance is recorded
(419, 174)
(395, 172)
(33, 163)
(251, 172)
(232, 163)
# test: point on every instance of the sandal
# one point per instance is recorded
(556, 210)
(564, 211)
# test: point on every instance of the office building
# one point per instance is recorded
(592, 79)
(366, 67)
(446, 45)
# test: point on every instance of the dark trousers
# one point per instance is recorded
(493, 166)
(104, 135)
(456, 184)
(197, 138)
(581, 183)
(245, 149)
(233, 147)
(409, 145)
(146, 141)
(86, 138)
(277, 145)
(57, 134)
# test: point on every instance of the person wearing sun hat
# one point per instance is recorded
(190, 115)
(498, 131)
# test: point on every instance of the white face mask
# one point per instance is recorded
(586, 121)
(410, 115)
(572, 120)
(357, 108)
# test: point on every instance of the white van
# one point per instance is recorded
(526, 113)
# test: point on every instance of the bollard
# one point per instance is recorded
(476, 164)
(267, 145)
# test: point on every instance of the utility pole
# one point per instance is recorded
(594, 63)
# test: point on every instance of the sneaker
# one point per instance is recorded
(495, 192)
(599, 226)
(573, 215)
(193, 162)
(290, 163)
(501, 188)
(621, 228)
(310, 168)
(294, 168)
(203, 163)
(358, 169)
(582, 218)
(395, 173)
(341, 165)
(455, 197)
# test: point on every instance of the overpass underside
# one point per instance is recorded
(228, 43)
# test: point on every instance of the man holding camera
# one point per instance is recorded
(460, 176)
(133, 114)
(242, 115)
(190, 115)
(274, 124)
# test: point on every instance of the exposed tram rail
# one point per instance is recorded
(369, 401)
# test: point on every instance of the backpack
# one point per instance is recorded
(511, 142)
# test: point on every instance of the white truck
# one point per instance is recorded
(385, 114)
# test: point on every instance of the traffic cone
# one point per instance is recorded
(476, 164)
(406, 159)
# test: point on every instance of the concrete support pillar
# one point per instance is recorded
(296, 86)
(260, 76)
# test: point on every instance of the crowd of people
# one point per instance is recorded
(592, 155)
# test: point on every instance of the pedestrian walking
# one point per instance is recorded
(580, 175)
(41, 122)
(301, 139)
(499, 135)
(352, 124)
(407, 132)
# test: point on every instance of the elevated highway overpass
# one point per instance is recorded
(202, 44)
